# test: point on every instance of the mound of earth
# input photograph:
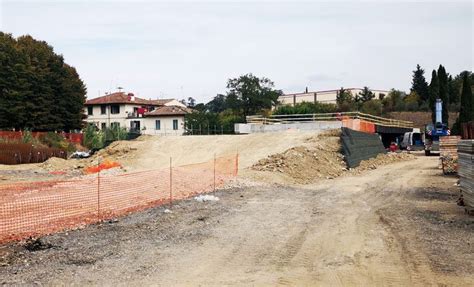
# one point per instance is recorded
(321, 158)
(117, 150)
(56, 163)
(383, 159)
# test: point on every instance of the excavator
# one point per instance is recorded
(434, 131)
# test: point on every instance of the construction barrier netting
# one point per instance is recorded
(31, 209)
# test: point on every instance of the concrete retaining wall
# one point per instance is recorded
(310, 126)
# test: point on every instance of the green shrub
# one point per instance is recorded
(55, 140)
(306, 108)
(27, 136)
(93, 138)
(373, 107)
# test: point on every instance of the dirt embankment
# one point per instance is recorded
(319, 158)
(420, 119)
(154, 152)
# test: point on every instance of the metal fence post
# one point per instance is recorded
(214, 172)
(237, 163)
(171, 181)
(98, 189)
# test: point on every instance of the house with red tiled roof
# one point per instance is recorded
(162, 116)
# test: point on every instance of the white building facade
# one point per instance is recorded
(328, 96)
(156, 117)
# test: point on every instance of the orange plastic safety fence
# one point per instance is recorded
(39, 208)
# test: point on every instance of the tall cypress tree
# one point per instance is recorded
(434, 94)
(466, 113)
(419, 84)
(443, 92)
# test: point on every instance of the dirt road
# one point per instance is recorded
(397, 225)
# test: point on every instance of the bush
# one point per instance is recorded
(306, 108)
(55, 140)
(115, 133)
(372, 107)
(27, 136)
(93, 138)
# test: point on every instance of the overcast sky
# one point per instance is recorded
(190, 49)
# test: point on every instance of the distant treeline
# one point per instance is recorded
(38, 90)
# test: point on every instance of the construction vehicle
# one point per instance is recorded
(434, 131)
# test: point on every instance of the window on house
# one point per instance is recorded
(103, 126)
(175, 125)
(157, 124)
(115, 109)
(90, 111)
(115, 125)
(103, 109)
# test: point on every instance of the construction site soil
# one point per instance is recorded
(298, 157)
(319, 158)
(396, 225)
(392, 221)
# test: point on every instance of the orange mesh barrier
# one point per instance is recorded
(101, 166)
(38, 208)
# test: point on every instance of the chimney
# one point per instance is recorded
(131, 97)
(306, 91)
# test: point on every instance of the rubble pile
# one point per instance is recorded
(321, 159)
(383, 159)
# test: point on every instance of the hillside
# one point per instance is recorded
(420, 119)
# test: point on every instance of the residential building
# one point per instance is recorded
(136, 114)
(328, 96)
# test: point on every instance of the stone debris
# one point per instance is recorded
(206, 197)
(321, 159)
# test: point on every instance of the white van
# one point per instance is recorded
(412, 141)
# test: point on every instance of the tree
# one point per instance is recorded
(365, 95)
(14, 86)
(443, 92)
(343, 96)
(38, 90)
(394, 101)
(218, 104)
(411, 101)
(306, 108)
(434, 94)
(250, 94)
(455, 86)
(466, 113)
(419, 84)
(372, 107)
(191, 102)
